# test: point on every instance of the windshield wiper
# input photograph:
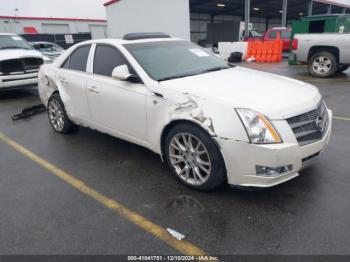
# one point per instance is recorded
(215, 69)
(176, 76)
(196, 73)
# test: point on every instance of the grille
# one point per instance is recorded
(311, 126)
(32, 64)
(20, 66)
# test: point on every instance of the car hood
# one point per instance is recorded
(18, 53)
(275, 96)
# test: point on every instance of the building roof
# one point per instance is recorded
(259, 8)
(111, 2)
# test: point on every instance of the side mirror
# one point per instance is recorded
(121, 73)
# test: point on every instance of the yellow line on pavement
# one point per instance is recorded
(342, 118)
(159, 232)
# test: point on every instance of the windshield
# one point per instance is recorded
(13, 42)
(174, 59)
(255, 33)
(47, 47)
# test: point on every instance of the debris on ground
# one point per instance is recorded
(175, 234)
(28, 112)
(251, 59)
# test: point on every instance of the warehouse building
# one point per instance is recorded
(51, 25)
(188, 19)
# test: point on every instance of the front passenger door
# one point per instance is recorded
(117, 107)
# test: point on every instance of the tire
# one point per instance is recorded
(187, 159)
(323, 64)
(343, 68)
(56, 112)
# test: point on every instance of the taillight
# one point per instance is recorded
(295, 44)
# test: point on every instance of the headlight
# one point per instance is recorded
(258, 127)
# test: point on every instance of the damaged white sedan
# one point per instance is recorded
(211, 122)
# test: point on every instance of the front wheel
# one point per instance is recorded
(58, 117)
(194, 158)
(323, 64)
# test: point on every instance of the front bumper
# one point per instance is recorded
(18, 80)
(241, 158)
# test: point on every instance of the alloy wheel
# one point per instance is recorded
(190, 159)
(322, 65)
(56, 115)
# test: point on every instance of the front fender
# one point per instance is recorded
(218, 119)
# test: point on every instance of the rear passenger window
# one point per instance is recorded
(78, 59)
(285, 35)
(273, 34)
(107, 58)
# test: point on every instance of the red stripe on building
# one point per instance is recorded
(53, 18)
(111, 2)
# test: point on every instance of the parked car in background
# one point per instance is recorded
(19, 62)
(209, 120)
(253, 36)
(48, 49)
(284, 33)
(326, 53)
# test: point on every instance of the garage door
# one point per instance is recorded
(98, 31)
(56, 28)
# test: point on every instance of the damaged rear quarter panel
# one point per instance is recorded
(47, 83)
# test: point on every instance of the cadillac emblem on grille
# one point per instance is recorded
(310, 126)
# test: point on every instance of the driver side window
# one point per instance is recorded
(107, 58)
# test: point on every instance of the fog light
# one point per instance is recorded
(273, 171)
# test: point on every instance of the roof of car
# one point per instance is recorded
(41, 42)
(119, 41)
(280, 28)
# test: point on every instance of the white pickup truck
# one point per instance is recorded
(19, 62)
(326, 53)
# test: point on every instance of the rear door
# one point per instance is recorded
(72, 83)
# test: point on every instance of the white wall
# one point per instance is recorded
(55, 28)
(51, 27)
(133, 16)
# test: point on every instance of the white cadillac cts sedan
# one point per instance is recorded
(210, 121)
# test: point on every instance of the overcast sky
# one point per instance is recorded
(55, 8)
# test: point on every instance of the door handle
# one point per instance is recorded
(93, 89)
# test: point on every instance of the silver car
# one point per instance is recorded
(48, 49)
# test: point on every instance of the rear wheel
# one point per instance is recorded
(323, 64)
(58, 117)
(194, 158)
(343, 68)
